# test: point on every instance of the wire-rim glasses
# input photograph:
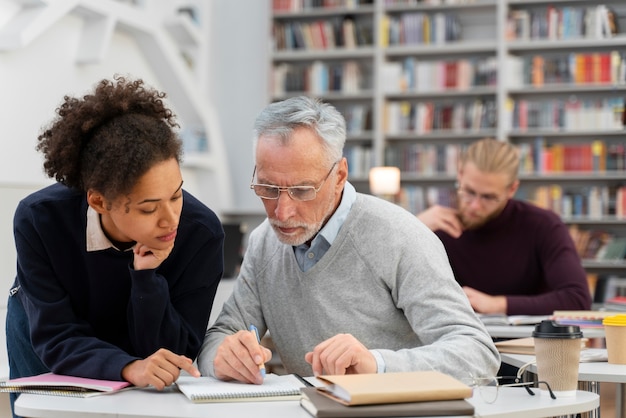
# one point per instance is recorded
(469, 196)
(299, 193)
(489, 386)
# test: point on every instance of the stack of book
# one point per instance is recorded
(584, 319)
(401, 394)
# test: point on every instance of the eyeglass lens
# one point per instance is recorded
(488, 388)
(470, 195)
(273, 192)
(301, 193)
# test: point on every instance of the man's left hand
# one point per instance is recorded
(341, 354)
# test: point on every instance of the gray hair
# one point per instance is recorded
(280, 119)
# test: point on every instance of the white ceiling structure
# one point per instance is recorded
(173, 44)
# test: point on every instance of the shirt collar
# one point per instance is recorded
(96, 238)
(306, 256)
(330, 231)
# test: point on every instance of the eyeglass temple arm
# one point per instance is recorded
(526, 386)
(529, 390)
(552, 395)
(523, 369)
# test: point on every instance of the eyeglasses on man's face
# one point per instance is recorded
(489, 386)
(299, 193)
(468, 195)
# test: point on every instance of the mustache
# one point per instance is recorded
(279, 224)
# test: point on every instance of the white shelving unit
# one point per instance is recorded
(482, 40)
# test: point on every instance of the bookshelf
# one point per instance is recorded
(330, 52)
(565, 98)
(437, 75)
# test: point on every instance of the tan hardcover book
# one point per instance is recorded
(382, 388)
(321, 406)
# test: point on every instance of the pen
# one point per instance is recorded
(256, 332)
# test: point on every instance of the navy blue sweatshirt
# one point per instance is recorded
(91, 313)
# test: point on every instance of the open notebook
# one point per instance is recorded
(208, 389)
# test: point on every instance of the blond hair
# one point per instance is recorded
(493, 156)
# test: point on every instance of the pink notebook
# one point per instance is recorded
(61, 385)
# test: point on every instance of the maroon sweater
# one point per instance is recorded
(526, 254)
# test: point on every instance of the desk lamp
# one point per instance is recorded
(384, 182)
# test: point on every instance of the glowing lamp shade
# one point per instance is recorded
(384, 180)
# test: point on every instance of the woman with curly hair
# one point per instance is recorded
(117, 265)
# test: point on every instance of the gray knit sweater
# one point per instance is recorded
(386, 280)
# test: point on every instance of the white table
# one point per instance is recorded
(522, 331)
(587, 372)
(147, 403)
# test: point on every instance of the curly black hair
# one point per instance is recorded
(107, 140)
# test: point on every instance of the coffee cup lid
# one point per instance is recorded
(552, 329)
(615, 320)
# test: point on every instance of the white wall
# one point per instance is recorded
(239, 83)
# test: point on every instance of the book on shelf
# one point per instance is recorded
(429, 116)
(62, 385)
(207, 389)
(588, 242)
(578, 201)
(387, 388)
(575, 157)
(567, 22)
(321, 406)
(441, 75)
(614, 249)
(572, 114)
(412, 28)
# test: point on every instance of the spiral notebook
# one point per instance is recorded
(61, 385)
(208, 389)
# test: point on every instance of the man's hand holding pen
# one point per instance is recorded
(258, 360)
(240, 357)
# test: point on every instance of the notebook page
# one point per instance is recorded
(209, 389)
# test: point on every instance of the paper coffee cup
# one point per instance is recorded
(615, 333)
(557, 351)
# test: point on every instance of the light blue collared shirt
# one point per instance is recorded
(307, 256)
